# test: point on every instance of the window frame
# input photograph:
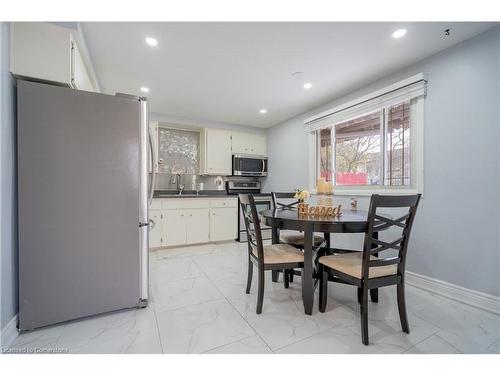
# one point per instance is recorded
(416, 159)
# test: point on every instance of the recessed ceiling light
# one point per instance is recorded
(263, 111)
(399, 33)
(144, 89)
(308, 85)
(151, 41)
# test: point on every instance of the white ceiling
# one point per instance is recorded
(227, 72)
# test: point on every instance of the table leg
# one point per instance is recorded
(275, 239)
(307, 274)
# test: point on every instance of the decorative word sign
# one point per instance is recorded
(319, 211)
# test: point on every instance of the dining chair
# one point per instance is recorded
(287, 201)
(291, 237)
(365, 269)
(268, 257)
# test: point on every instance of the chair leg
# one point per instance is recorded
(323, 289)
(275, 276)
(374, 295)
(402, 308)
(286, 278)
(364, 315)
(250, 274)
(360, 296)
(260, 294)
(290, 275)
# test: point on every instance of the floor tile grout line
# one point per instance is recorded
(193, 305)
(157, 327)
(421, 341)
(230, 343)
(234, 308)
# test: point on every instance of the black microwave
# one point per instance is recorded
(249, 165)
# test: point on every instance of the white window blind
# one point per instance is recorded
(406, 90)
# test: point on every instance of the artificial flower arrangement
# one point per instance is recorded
(302, 195)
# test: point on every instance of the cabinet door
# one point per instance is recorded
(249, 144)
(239, 143)
(197, 226)
(223, 223)
(155, 232)
(218, 152)
(80, 78)
(259, 146)
(174, 227)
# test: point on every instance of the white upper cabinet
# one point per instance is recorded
(80, 76)
(215, 152)
(48, 53)
(249, 144)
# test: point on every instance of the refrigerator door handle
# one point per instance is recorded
(143, 215)
(153, 167)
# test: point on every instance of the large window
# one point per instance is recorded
(373, 144)
(374, 149)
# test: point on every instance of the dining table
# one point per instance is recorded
(350, 221)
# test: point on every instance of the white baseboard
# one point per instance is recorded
(470, 297)
(9, 333)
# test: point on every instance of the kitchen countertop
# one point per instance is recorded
(191, 194)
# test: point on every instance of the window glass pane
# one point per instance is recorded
(357, 151)
(397, 164)
(325, 154)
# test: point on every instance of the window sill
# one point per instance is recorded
(368, 192)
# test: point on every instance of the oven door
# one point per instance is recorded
(249, 166)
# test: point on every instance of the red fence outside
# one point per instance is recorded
(350, 178)
(346, 178)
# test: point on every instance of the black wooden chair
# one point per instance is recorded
(269, 257)
(291, 237)
(364, 269)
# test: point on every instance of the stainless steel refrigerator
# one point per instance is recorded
(83, 203)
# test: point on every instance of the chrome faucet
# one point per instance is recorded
(177, 180)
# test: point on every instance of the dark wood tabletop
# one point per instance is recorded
(351, 221)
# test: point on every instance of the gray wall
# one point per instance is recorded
(8, 205)
(204, 124)
(455, 237)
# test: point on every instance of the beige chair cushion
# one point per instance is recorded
(350, 264)
(281, 253)
(297, 238)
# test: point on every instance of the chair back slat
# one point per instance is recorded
(381, 245)
(376, 222)
(280, 205)
(384, 262)
(252, 225)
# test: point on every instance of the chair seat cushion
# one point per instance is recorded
(351, 263)
(297, 238)
(281, 253)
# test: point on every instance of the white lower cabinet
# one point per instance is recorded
(174, 227)
(197, 226)
(223, 224)
(184, 221)
(155, 228)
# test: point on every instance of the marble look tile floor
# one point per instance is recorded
(198, 305)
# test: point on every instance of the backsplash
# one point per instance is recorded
(194, 182)
(178, 151)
